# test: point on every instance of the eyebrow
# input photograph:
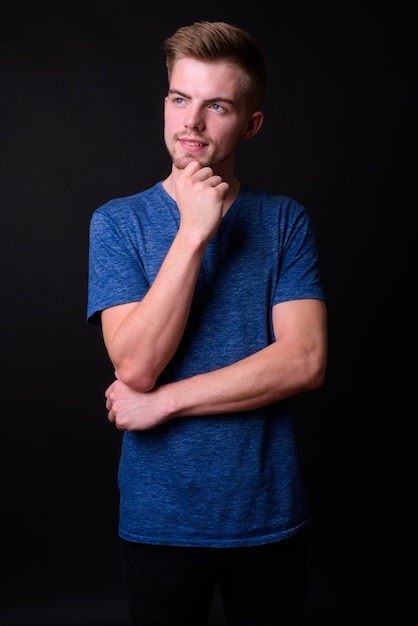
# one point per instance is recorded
(188, 97)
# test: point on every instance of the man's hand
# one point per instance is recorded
(200, 197)
(132, 410)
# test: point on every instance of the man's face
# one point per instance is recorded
(205, 113)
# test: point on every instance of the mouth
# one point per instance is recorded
(192, 144)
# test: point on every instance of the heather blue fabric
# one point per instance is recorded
(233, 479)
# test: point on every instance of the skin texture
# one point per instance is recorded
(206, 117)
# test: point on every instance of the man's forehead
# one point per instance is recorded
(206, 80)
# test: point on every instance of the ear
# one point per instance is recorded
(254, 124)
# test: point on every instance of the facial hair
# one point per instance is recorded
(180, 162)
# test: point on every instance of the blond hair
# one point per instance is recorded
(215, 41)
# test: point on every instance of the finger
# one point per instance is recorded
(204, 173)
(192, 167)
(215, 180)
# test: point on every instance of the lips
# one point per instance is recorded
(191, 143)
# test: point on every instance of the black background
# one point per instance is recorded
(81, 95)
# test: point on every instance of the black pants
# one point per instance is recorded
(259, 586)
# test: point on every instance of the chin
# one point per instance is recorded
(181, 162)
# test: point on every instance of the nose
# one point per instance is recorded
(193, 119)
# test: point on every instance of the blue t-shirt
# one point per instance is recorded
(226, 480)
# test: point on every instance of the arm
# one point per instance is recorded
(141, 337)
(296, 362)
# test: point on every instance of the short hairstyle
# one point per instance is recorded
(214, 41)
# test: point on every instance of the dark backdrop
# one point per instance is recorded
(81, 93)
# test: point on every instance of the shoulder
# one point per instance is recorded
(277, 207)
(117, 208)
(268, 199)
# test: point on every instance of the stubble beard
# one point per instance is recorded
(180, 162)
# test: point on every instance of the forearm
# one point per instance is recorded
(142, 337)
(141, 345)
(294, 363)
(274, 373)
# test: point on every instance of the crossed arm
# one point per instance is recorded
(141, 337)
(295, 362)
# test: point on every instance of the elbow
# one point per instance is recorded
(317, 372)
(135, 378)
(317, 380)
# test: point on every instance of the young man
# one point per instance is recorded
(213, 315)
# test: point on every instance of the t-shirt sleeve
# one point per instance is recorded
(115, 272)
(299, 275)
